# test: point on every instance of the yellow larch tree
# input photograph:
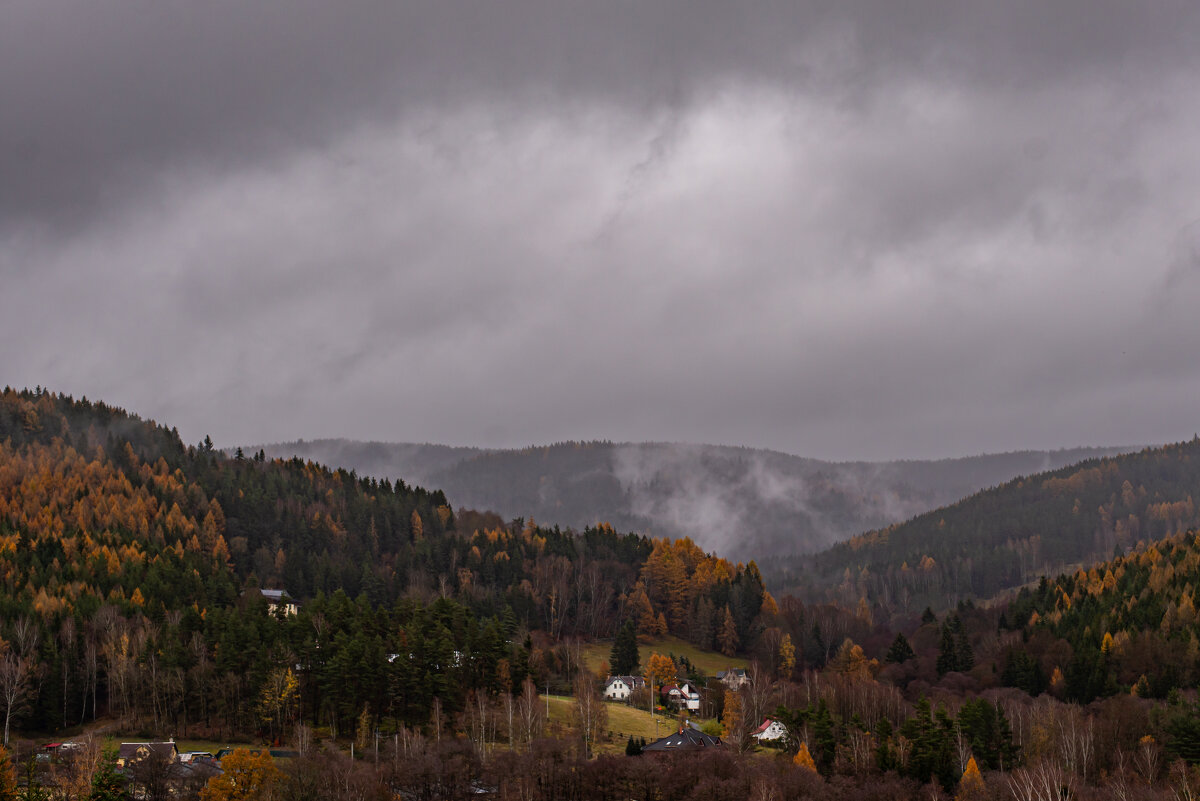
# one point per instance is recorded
(787, 657)
(661, 670)
(803, 759)
(971, 786)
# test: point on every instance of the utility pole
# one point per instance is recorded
(654, 717)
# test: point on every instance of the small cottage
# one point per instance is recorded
(770, 731)
(733, 678)
(132, 753)
(279, 599)
(619, 688)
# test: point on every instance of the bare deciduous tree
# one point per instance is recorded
(589, 715)
(16, 671)
(1043, 781)
(1149, 758)
(531, 717)
(1076, 739)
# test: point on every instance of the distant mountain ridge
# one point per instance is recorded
(1009, 535)
(744, 503)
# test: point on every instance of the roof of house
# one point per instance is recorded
(276, 753)
(686, 739)
(766, 724)
(632, 681)
(198, 768)
(138, 751)
(275, 595)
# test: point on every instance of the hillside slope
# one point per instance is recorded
(1004, 537)
(1131, 623)
(129, 564)
(741, 502)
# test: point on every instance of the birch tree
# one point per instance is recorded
(16, 671)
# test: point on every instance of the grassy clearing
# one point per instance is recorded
(212, 746)
(623, 722)
(596, 653)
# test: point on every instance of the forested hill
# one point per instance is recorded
(129, 563)
(80, 475)
(1131, 624)
(741, 502)
(1004, 537)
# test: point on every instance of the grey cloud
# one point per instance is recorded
(838, 230)
(100, 96)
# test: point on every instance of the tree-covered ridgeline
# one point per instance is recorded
(130, 566)
(1131, 623)
(130, 563)
(1010, 535)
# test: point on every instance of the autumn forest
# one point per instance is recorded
(1039, 640)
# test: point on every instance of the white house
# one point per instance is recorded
(690, 696)
(619, 688)
(733, 678)
(682, 696)
(769, 731)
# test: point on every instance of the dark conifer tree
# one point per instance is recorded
(900, 651)
(107, 783)
(964, 657)
(624, 659)
(947, 660)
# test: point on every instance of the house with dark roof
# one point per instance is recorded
(685, 739)
(279, 599)
(733, 678)
(619, 688)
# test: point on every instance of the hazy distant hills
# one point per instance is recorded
(1012, 534)
(742, 502)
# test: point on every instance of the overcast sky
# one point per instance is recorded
(860, 229)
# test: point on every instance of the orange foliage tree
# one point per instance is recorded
(248, 776)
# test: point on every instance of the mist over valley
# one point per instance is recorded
(743, 503)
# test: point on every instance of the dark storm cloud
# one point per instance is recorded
(100, 95)
(844, 229)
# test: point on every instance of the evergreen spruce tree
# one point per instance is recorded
(824, 738)
(884, 760)
(900, 651)
(107, 784)
(624, 659)
(1024, 672)
(964, 657)
(947, 651)
(1007, 751)
(33, 790)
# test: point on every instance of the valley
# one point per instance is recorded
(365, 627)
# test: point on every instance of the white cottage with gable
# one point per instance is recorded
(619, 688)
(769, 731)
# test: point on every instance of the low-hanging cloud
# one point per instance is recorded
(845, 233)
